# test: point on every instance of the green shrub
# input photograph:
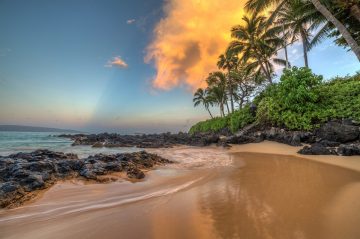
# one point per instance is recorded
(240, 118)
(234, 122)
(267, 111)
(300, 101)
(290, 103)
(212, 125)
(340, 98)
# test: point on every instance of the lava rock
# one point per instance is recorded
(98, 145)
(327, 143)
(135, 173)
(316, 149)
(10, 192)
(22, 173)
(349, 149)
(338, 132)
(32, 182)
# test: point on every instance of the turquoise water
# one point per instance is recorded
(14, 142)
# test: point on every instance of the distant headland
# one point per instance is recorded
(23, 128)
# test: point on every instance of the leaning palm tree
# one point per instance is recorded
(201, 97)
(259, 5)
(257, 43)
(217, 90)
(345, 13)
(342, 29)
(228, 61)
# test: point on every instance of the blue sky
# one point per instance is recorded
(55, 59)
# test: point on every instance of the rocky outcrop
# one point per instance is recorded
(325, 140)
(165, 140)
(349, 149)
(337, 138)
(317, 149)
(294, 138)
(341, 132)
(332, 138)
(23, 173)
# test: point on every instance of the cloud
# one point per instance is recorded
(116, 62)
(189, 39)
(130, 21)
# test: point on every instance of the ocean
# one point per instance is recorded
(14, 142)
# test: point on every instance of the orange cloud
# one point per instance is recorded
(118, 62)
(189, 39)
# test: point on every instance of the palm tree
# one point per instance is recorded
(342, 29)
(260, 5)
(257, 44)
(201, 97)
(228, 61)
(298, 18)
(217, 89)
(329, 30)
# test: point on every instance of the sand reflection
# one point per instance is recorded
(257, 196)
(277, 196)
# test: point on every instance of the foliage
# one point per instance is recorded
(212, 125)
(344, 15)
(202, 97)
(291, 102)
(257, 43)
(302, 100)
(234, 122)
(240, 118)
(340, 98)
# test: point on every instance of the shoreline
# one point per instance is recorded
(264, 147)
(24, 175)
(263, 187)
(275, 148)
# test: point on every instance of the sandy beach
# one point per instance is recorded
(269, 147)
(250, 191)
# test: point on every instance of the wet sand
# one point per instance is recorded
(211, 193)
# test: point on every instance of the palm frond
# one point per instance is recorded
(280, 62)
(320, 35)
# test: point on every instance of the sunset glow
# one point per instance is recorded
(185, 48)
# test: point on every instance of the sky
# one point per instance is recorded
(121, 66)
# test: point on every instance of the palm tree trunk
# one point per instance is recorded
(241, 102)
(342, 29)
(227, 107)
(231, 99)
(285, 49)
(355, 11)
(304, 43)
(207, 108)
(265, 72)
(231, 92)
(222, 110)
(286, 57)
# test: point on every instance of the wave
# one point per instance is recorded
(95, 205)
(196, 157)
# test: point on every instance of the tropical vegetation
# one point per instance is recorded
(246, 70)
(301, 100)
